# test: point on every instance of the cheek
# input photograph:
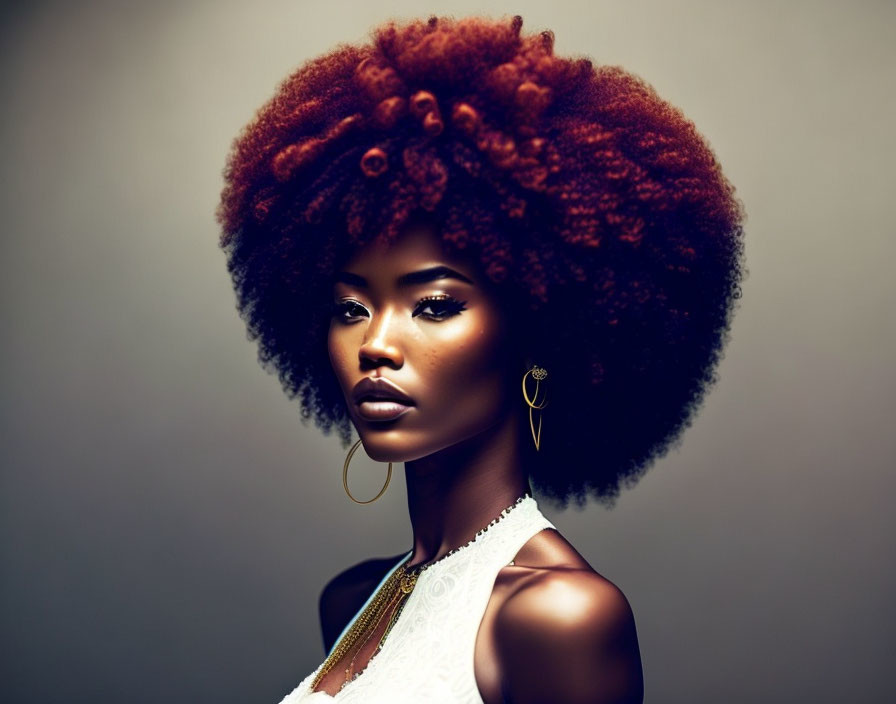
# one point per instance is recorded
(469, 359)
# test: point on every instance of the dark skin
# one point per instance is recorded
(554, 629)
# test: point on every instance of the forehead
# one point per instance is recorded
(418, 246)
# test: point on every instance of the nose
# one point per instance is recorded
(378, 347)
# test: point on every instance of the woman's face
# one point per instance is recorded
(424, 321)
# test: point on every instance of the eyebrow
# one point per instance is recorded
(415, 277)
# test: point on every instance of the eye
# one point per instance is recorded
(440, 307)
(435, 308)
(345, 311)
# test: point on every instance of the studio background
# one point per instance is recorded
(167, 522)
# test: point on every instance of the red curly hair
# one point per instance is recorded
(593, 205)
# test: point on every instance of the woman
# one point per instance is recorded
(498, 265)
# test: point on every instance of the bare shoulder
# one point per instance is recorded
(345, 594)
(564, 633)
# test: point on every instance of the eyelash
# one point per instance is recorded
(452, 306)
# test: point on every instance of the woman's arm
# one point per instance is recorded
(569, 638)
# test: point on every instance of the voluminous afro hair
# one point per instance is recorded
(592, 203)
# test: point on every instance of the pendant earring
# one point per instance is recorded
(538, 373)
(345, 477)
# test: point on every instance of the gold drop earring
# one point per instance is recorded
(539, 374)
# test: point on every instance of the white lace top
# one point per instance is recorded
(428, 654)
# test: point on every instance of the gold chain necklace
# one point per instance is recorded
(395, 591)
(405, 586)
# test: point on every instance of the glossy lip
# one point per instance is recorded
(379, 388)
(381, 409)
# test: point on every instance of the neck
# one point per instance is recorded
(454, 493)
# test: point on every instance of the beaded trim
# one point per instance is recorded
(420, 568)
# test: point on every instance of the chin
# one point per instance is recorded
(388, 445)
(395, 447)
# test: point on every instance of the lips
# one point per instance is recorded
(380, 399)
(381, 410)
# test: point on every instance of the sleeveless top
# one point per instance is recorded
(428, 654)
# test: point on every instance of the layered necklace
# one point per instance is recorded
(391, 597)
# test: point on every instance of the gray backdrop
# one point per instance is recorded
(167, 522)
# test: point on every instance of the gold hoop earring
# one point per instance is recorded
(538, 373)
(345, 477)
